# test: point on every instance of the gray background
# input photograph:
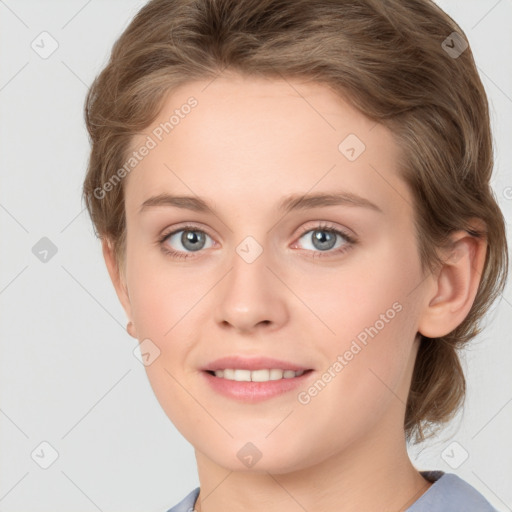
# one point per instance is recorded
(68, 373)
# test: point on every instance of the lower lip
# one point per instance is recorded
(254, 391)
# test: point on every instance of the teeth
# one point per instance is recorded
(242, 375)
(256, 375)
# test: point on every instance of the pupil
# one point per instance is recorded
(190, 240)
(325, 240)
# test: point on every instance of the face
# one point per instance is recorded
(268, 229)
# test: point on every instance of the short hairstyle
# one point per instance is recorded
(390, 59)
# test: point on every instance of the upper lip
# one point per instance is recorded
(252, 363)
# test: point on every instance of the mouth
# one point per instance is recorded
(253, 380)
(272, 383)
(263, 375)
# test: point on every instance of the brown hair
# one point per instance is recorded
(391, 59)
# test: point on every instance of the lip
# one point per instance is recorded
(252, 392)
(252, 363)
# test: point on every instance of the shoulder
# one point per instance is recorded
(450, 493)
(187, 503)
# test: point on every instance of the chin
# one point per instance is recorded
(264, 456)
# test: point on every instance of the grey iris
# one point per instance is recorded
(323, 239)
(190, 240)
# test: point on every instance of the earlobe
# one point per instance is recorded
(454, 289)
(130, 329)
(117, 279)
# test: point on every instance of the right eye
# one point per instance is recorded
(184, 241)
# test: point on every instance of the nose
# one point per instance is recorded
(251, 297)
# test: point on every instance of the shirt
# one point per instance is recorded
(448, 493)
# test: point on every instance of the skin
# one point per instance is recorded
(248, 144)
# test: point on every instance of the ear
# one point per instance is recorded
(453, 290)
(118, 279)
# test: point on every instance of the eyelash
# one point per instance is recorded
(350, 241)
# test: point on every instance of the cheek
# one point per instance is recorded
(361, 383)
(363, 299)
(371, 350)
(162, 297)
(371, 316)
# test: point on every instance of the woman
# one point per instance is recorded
(294, 204)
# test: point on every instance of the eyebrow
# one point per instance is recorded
(288, 204)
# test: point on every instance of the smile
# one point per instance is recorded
(256, 375)
(252, 386)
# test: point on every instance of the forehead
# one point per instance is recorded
(275, 136)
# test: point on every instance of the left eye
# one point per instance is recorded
(322, 239)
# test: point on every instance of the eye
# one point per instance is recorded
(182, 243)
(326, 238)
(185, 240)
